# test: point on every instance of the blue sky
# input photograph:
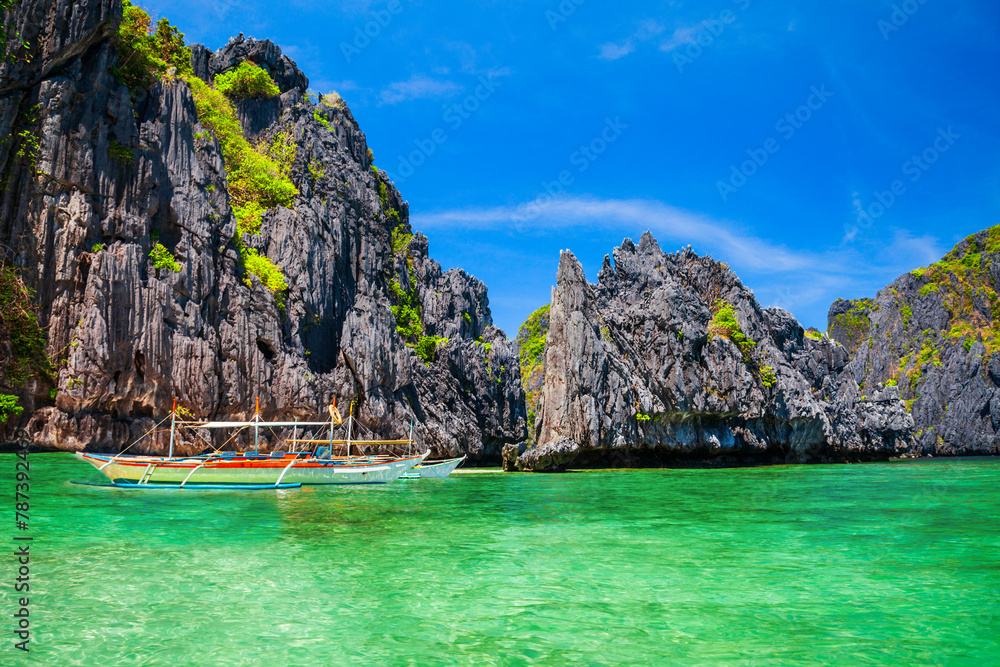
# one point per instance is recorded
(779, 137)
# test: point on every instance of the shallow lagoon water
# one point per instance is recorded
(850, 564)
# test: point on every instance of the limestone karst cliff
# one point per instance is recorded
(935, 334)
(163, 266)
(670, 358)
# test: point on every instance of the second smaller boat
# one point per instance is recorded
(432, 469)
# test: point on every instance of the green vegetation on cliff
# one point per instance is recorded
(9, 407)
(321, 119)
(531, 337)
(144, 56)
(959, 290)
(852, 327)
(427, 346)
(257, 175)
(400, 239)
(263, 268)
(22, 340)
(962, 281)
(407, 310)
(163, 258)
(531, 350)
(257, 181)
(724, 324)
(333, 99)
(248, 81)
(387, 209)
(9, 37)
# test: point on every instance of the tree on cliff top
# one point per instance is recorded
(144, 56)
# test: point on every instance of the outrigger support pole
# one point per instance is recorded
(409, 442)
(173, 420)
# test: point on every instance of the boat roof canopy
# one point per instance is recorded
(250, 423)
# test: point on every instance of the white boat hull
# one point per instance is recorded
(193, 471)
(433, 469)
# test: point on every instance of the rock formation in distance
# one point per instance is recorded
(669, 358)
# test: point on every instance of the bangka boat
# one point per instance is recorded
(252, 469)
(433, 469)
(292, 468)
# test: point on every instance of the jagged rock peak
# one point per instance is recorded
(670, 357)
(261, 52)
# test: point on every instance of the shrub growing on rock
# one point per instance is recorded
(19, 326)
(256, 181)
(257, 175)
(248, 81)
(262, 267)
(163, 258)
(724, 324)
(144, 57)
(427, 347)
(9, 407)
(406, 310)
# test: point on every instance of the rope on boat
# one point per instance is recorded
(238, 431)
(152, 430)
(433, 469)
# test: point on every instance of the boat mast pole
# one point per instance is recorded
(173, 420)
(256, 427)
(293, 433)
(350, 422)
(329, 453)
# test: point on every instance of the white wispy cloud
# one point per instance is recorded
(788, 277)
(664, 220)
(646, 30)
(417, 87)
(681, 36)
(612, 51)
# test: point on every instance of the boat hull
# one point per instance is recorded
(193, 471)
(434, 469)
(439, 470)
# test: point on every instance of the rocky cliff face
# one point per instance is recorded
(670, 358)
(935, 334)
(114, 174)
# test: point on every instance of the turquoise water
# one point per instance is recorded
(853, 565)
